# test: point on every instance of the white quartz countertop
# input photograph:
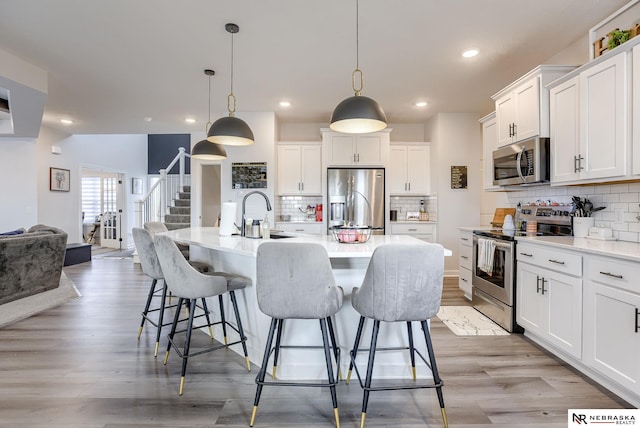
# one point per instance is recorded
(472, 228)
(620, 249)
(209, 237)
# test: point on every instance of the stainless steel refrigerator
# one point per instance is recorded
(355, 197)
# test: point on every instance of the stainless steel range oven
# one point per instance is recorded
(494, 283)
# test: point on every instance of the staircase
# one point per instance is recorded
(179, 215)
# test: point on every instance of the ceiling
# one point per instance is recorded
(112, 64)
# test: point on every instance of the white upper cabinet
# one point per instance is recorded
(409, 169)
(356, 149)
(489, 144)
(299, 169)
(589, 122)
(565, 131)
(635, 124)
(522, 108)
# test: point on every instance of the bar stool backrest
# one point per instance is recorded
(182, 279)
(403, 283)
(295, 280)
(147, 253)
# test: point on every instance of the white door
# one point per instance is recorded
(527, 109)
(311, 170)
(397, 175)
(111, 221)
(418, 170)
(289, 170)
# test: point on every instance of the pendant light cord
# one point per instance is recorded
(357, 73)
(209, 121)
(231, 99)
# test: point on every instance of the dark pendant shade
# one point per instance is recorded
(230, 131)
(206, 150)
(358, 115)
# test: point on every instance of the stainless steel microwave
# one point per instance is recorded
(526, 162)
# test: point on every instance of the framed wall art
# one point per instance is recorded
(136, 186)
(59, 180)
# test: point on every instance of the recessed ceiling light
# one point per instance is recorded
(285, 104)
(421, 104)
(66, 121)
(148, 119)
(470, 53)
(190, 120)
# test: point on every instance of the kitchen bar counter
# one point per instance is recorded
(620, 249)
(349, 263)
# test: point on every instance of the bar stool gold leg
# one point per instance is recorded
(155, 352)
(363, 416)
(348, 377)
(444, 417)
(139, 332)
(253, 415)
(273, 372)
(181, 385)
(246, 359)
(337, 416)
(211, 333)
(413, 371)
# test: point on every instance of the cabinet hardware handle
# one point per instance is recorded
(409, 186)
(299, 230)
(543, 281)
(558, 262)
(465, 280)
(515, 130)
(511, 133)
(464, 257)
(413, 230)
(637, 326)
(577, 163)
(405, 187)
(526, 254)
(538, 283)
(611, 274)
(302, 186)
(465, 239)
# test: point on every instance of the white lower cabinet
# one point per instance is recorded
(612, 330)
(424, 231)
(305, 228)
(549, 303)
(465, 256)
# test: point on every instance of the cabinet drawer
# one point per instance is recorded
(548, 258)
(464, 281)
(466, 238)
(615, 272)
(412, 229)
(465, 256)
(306, 228)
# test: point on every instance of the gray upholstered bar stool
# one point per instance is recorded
(295, 281)
(151, 267)
(187, 283)
(154, 227)
(403, 283)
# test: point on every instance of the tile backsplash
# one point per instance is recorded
(622, 202)
(291, 205)
(412, 203)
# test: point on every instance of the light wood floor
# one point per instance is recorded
(81, 365)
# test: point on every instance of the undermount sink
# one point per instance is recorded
(281, 235)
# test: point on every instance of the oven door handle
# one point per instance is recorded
(503, 245)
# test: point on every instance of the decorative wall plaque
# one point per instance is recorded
(459, 177)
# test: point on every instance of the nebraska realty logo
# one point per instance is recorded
(600, 417)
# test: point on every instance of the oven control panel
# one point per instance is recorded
(560, 214)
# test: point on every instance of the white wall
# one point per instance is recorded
(18, 184)
(125, 154)
(455, 140)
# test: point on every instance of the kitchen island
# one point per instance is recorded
(234, 254)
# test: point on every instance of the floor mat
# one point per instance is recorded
(466, 321)
(114, 254)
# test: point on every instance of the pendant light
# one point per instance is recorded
(231, 131)
(358, 114)
(206, 150)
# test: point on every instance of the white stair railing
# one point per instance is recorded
(155, 204)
